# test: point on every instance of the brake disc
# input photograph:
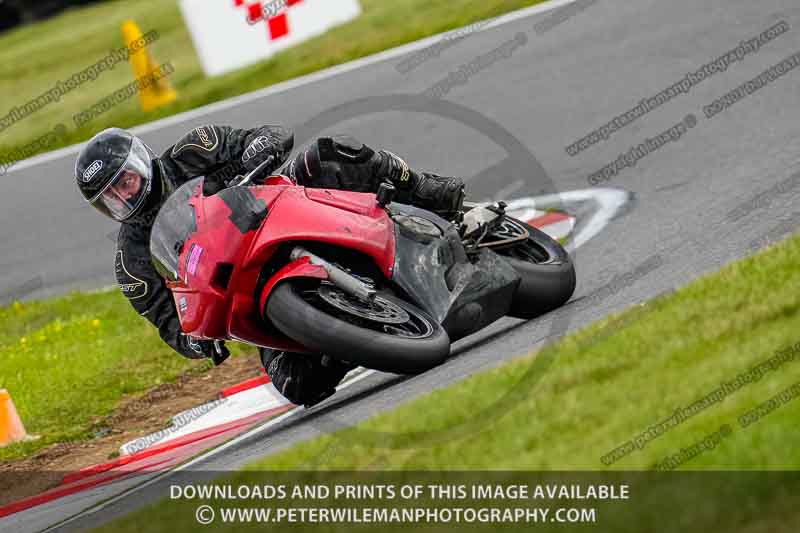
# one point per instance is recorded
(378, 310)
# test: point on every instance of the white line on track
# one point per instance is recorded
(298, 82)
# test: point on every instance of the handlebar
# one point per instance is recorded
(247, 178)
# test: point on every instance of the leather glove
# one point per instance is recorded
(270, 141)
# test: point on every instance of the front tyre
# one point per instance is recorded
(387, 334)
(544, 266)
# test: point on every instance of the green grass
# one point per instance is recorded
(574, 402)
(70, 360)
(565, 407)
(34, 57)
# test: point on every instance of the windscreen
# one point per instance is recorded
(175, 222)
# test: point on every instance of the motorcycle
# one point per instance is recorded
(352, 275)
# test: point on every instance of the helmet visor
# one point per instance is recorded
(128, 189)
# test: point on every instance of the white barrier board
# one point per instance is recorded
(230, 34)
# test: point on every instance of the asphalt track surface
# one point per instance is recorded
(551, 91)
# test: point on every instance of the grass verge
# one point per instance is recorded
(69, 361)
(34, 57)
(568, 406)
(607, 384)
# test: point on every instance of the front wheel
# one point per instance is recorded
(386, 334)
(545, 268)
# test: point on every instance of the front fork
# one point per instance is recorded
(342, 279)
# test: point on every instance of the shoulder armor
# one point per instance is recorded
(204, 138)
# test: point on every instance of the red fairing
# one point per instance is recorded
(347, 219)
(296, 269)
(244, 323)
(220, 266)
(202, 300)
(279, 180)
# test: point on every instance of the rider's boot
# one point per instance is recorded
(303, 379)
(440, 194)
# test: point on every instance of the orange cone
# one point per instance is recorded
(11, 428)
(143, 64)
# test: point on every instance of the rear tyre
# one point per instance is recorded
(545, 268)
(388, 334)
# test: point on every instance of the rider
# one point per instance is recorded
(122, 178)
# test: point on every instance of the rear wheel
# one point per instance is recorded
(545, 268)
(387, 333)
